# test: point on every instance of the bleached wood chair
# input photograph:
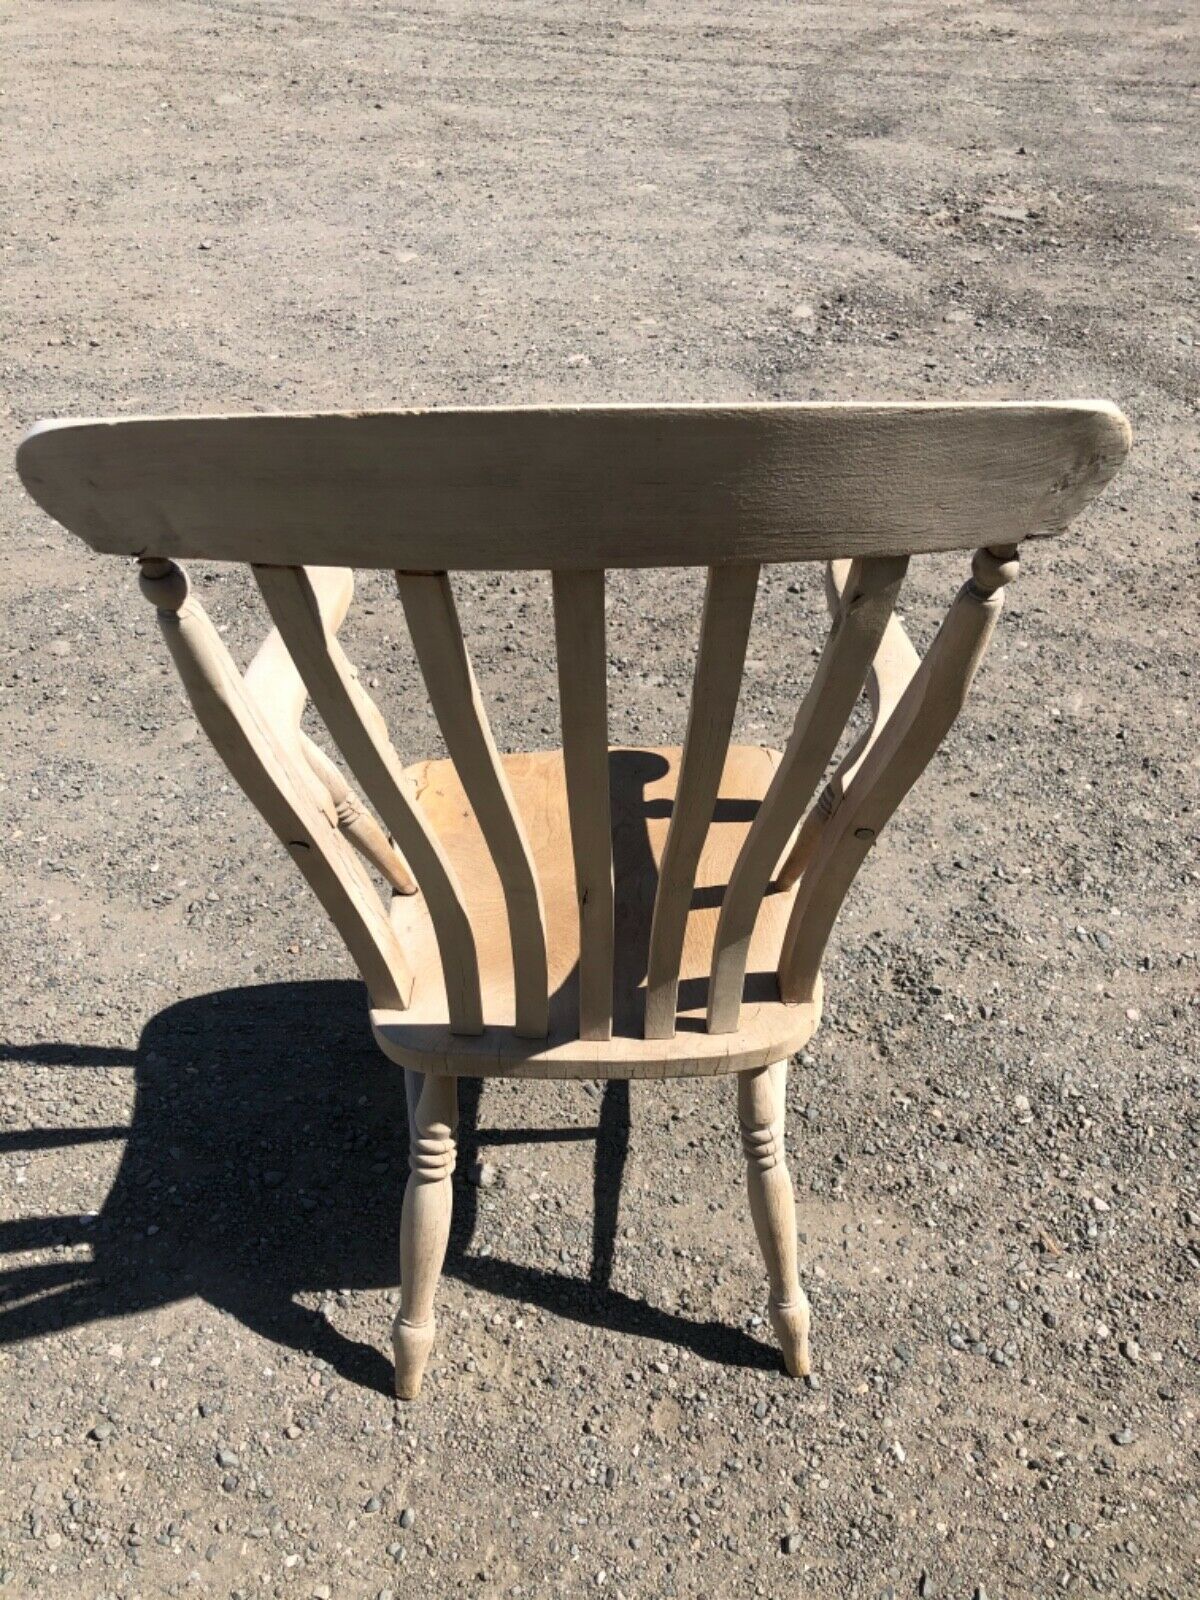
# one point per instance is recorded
(506, 948)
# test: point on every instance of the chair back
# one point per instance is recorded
(576, 490)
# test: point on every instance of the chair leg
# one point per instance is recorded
(424, 1221)
(773, 1207)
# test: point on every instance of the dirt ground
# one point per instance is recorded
(297, 203)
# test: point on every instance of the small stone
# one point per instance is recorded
(789, 1544)
(226, 1457)
(407, 1517)
(1123, 1435)
(101, 1432)
(373, 1505)
(980, 1592)
(956, 1340)
(813, 1381)
(322, 1592)
(899, 1451)
(1074, 1530)
(484, 1174)
(293, 1430)
(760, 1409)
(1131, 1350)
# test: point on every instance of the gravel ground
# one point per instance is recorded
(297, 203)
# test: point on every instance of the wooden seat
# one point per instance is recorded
(585, 912)
(643, 787)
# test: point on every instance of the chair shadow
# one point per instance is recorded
(267, 1155)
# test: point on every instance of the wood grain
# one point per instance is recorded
(906, 744)
(276, 784)
(560, 486)
(854, 635)
(357, 729)
(891, 672)
(278, 690)
(583, 699)
(724, 630)
(446, 667)
(642, 784)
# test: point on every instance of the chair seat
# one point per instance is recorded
(643, 789)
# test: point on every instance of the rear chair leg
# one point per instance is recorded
(424, 1221)
(773, 1207)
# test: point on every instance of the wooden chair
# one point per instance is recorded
(586, 912)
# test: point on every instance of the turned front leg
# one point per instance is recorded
(424, 1221)
(773, 1207)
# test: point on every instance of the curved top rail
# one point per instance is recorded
(575, 486)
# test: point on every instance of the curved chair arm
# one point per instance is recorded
(284, 789)
(906, 744)
(891, 672)
(278, 690)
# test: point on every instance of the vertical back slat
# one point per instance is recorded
(583, 700)
(357, 729)
(850, 647)
(446, 667)
(728, 608)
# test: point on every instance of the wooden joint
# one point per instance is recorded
(992, 568)
(164, 583)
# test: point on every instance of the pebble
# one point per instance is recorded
(1131, 1350)
(101, 1431)
(373, 1505)
(1123, 1435)
(227, 1457)
(484, 1174)
(407, 1517)
(790, 1543)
